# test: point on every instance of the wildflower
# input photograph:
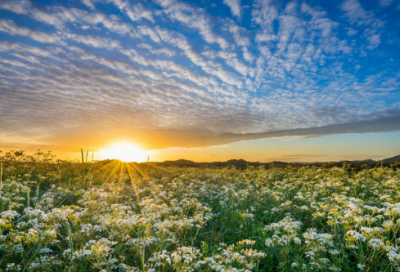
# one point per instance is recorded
(297, 241)
(356, 235)
(10, 214)
(376, 243)
(360, 266)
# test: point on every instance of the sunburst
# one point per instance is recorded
(124, 151)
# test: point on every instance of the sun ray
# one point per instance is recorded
(113, 170)
(128, 167)
(158, 168)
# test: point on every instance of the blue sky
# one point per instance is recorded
(196, 74)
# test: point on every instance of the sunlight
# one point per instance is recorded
(126, 152)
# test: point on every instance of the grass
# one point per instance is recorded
(112, 216)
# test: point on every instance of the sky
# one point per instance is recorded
(203, 80)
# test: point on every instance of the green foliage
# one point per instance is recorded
(112, 216)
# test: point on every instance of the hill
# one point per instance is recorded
(392, 159)
(242, 164)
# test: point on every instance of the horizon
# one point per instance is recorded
(89, 158)
(291, 81)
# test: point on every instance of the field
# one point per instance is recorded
(114, 216)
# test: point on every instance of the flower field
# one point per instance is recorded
(113, 216)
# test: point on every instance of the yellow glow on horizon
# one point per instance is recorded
(126, 152)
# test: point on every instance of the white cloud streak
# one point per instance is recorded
(194, 18)
(21, 8)
(14, 29)
(234, 5)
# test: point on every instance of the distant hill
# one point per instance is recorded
(180, 162)
(392, 159)
(242, 164)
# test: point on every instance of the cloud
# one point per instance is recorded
(319, 20)
(15, 29)
(98, 42)
(234, 5)
(201, 138)
(230, 59)
(46, 17)
(264, 14)
(381, 122)
(137, 12)
(247, 55)
(374, 40)
(194, 18)
(19, 7)
(356, 13)
(89, 3)
(164, 51)
(176, 39)
(237, 31)
(359, 16)
(351, 31)
(385, 3)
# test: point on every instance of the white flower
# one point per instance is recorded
(360, 266)
(268, 242)
(10, 214)
(375, 243)
(357, 235)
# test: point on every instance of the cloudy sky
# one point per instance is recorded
(205, 80)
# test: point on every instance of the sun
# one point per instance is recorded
(126, 152)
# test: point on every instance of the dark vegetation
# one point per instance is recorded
(243, 164)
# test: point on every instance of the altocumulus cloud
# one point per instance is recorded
(190, 74)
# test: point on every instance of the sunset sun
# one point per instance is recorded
(126, 152)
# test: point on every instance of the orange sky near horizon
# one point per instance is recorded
(289, 149)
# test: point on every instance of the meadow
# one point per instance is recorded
(113, 216)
